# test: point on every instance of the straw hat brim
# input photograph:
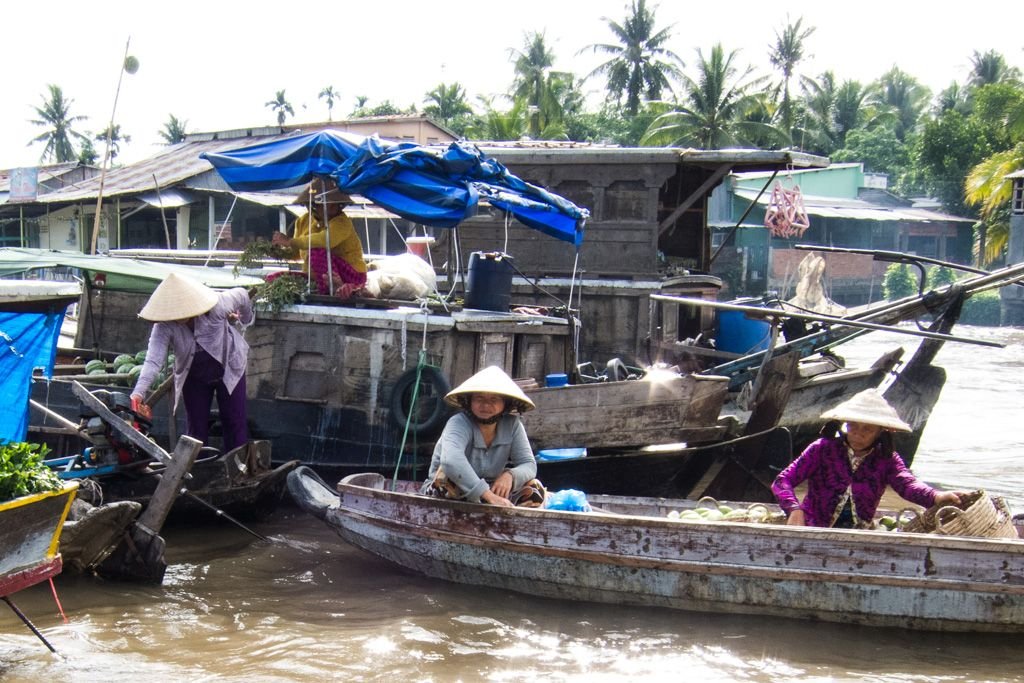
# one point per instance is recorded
(491, 380)
(868, 407)
(178, 298)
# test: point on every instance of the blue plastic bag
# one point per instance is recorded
(569, 499)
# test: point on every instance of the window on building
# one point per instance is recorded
(1018, 195)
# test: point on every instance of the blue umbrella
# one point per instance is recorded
(436, 187)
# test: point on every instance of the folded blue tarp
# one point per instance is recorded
(435, 187)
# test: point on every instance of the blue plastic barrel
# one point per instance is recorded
(489, 281)
(739, 334)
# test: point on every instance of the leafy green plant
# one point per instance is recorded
(254, 253)
(22, 471)
(941, 275)
(282, 291)
(898, 282)
(982, 309)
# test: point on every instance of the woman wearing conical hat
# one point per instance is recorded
(316, 244)
(848, 469)
(483, 454)
(194, 322)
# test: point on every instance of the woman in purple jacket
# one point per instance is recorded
(210, 355)
(847, 470)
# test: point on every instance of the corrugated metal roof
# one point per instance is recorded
(829, 207)
(176, 164)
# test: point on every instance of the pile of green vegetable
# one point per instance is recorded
(22, 471)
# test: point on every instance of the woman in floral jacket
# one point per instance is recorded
(847, 470)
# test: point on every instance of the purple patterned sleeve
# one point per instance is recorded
(795, 474)
(907, 485)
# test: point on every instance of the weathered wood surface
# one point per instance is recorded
(671, 409)
(140, 556)
(862, 577)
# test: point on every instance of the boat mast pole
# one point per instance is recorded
(106, 151)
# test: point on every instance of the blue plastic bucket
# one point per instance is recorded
(739, 334)
(489, 281)
(558, 379)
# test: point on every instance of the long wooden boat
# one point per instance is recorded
(740, 468)
(30, 528)
(631, 553)
(660, 408)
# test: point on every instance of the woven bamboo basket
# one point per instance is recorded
(977, 515)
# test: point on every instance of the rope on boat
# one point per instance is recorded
(421, 363)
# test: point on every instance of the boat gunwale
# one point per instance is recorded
(924, 542)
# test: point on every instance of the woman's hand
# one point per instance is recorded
(494, 499)
(502, 486)
(947, 498)
(796, 518)
(140, 408)
(281, 240)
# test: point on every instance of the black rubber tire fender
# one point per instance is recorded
(433, 385)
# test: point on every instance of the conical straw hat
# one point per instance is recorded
(868, 407)
(491, 380)
(177, 298)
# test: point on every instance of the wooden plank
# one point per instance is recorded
(627, 413)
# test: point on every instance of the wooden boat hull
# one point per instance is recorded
(681, 472)
(672, 409)
(642, 558)
(242, 483)
(30, 528)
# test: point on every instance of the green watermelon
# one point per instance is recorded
(124, 358)
(95, 364)
(140, 357)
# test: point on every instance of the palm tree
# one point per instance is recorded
(953, 98)
(329, 94)
(714, 107)
(56, 115)
(988, 188)
(535, 83)
(174, 130)
(904, 96)
(640, 64)
(787, 52)
(991, 67)
(497, 125)
(281, 106)
(446, 102)
(113, 135)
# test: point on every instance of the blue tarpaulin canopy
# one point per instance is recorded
(28, 340)
(433, 186)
